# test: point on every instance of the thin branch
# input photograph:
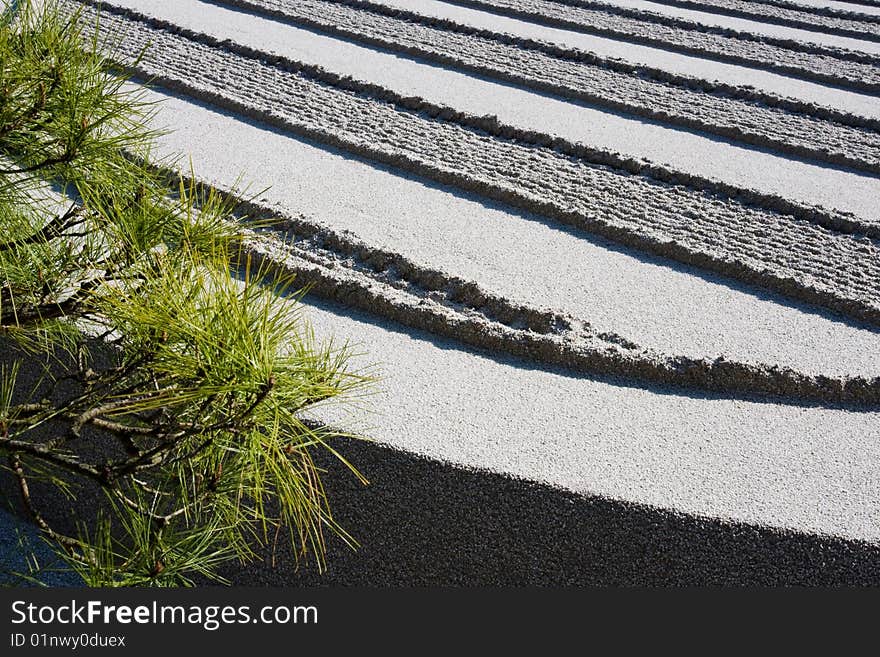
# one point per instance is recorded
(43, 453)
(55, 228)
(28, 410)
(48, 162)
(24, 489)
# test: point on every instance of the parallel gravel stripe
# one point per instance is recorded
(649, 56)
(427, 523)
(580, 76)
(859, 26)
(759, 246)
(807, 469)
(344, 269)
(867, 3)
(836, 220)
(789, 38)
(856, 13)
(460, 310)
(614, 63)
(808, 61)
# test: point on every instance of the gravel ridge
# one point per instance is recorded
(740, 114)
(809, 254)
(837, 66)
(829, 21)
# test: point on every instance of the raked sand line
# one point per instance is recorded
(737, 113)
(822, 63)
(751, 25)
(865, 3)
(522, 259)
(791, 255)
(792, 38)
(843, 8)
(745, 169)
(688, 66)
(460, 310)
(343, 13)
(341, 268)
(806, 469)
(819, 19)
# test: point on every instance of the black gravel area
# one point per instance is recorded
(425, 523)
(422, 522)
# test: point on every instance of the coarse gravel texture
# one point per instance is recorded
(384, 283)
(748, 25)
(655, 57)
(459, 237)
(821, 19)
(853, 8)
(700, 155)
(822, 63)
(796, 255)
(423, 522)
(787, 466)
(738, 113)
(795, 38)
(869, 7)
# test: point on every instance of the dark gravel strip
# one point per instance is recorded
(822, 11)
(750, 121)
(659, 18)
(844, 68)
(857, 26)
(867, 3)
(422, 522)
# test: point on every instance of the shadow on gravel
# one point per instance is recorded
(424, 523)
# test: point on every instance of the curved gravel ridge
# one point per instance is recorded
(867, 3)
(694, 25)
(817, 9)
(844, 68)
(343, 269)
(340, 267)
(850, 24)
(836, 220)
(718, 88)
(723, 231)
(823, 9)
(534, 65)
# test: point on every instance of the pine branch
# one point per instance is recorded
(55, 228)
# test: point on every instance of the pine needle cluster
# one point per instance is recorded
(139, 359)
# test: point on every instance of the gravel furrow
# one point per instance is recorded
(647, 16)
(341, 268)
(389, 285)
(706, 228)
(824, 10)
(837, 66)
(858, 26)
(836, 220)
(578, 76)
